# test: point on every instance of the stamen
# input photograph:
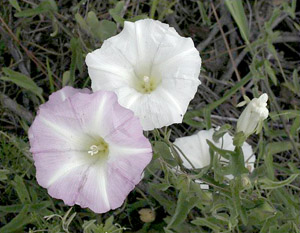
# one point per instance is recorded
(146, 84)
(146, 79)
(100, 149)
(94, 150)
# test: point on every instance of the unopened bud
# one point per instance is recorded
(246, 182)
(254, 114)
(147, 215)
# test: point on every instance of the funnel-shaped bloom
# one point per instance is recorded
(88, 150)
(153, 70)
(196, 149)
(254, 114)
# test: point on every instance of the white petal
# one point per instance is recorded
(249, 156)
(152, 49)
(195, 149)
(154, 110)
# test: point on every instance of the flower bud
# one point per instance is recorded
(253, 116)
(147, 215)
(246, 182)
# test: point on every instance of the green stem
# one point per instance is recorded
(232, 91)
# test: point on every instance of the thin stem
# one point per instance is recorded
(227, 47)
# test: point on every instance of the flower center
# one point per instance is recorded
(146, 84)
(100, 148)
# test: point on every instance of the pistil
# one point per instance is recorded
(100, 149)
(146, 84)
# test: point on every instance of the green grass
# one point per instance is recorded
(42, 49)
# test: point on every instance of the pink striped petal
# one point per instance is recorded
(61, 136)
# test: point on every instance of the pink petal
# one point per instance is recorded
(99, 112)
(61, 95)
(61, 136)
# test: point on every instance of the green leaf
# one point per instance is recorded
(296, 81)
(190, 118)
(282, 195)
(295, 128)
(269, 24)
(3, 174)
(161, 186)
(43, 7)
(107, 29)
(163, 150)
(116, 12)
(205, 197)
(31, 207)
(184, 205)
(109, 223)
(138, 17)
(207, 117)
(153, 8)
(278, 147)
(291, 10)
(205, 222)
(269, 166)
(288, 114)
(229, 93)
(21, 189)
(204, 17)
(22, 81)
(66, 77)
(284, 228)
(290, 86)
(266, 183)
(82, 23)
(237, 11)
(67, 220)
(239, 139)
(161, 199)
(235, 190)
(76, 59)
(101, 30)
(221, 132)
(270, 72)
(93, 22)
(166, 10)
(269, 222)
(15, 4)
(17, 222)
(55, 27)
(224, 153)
(237, 163)
(259, 212)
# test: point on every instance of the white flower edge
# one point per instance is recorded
(146, 52)
(196, 149)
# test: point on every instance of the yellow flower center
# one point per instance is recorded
(147, 84)
(99, 149)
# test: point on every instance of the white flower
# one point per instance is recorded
(152, 69)
(196, 149)
(253, 115)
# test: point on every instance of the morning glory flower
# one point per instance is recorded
(196, 149)
(88, 150)
(254, 114)
(153, 70)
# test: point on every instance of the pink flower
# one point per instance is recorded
(88, 150)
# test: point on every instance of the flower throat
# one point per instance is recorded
(99, 149)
